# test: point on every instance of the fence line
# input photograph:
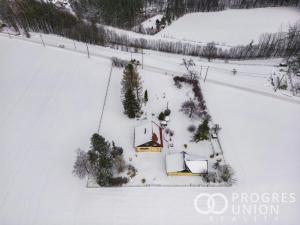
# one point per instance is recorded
(162, 185)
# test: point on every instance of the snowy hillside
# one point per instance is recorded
(231, 27)
(51, 104)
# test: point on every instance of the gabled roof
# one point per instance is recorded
(182, 161)
(146, 133)
(175, 162)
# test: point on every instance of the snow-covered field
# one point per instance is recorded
(50, 105)
(231, 27)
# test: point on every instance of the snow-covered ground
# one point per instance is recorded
(50, 105)
(231, 27)
(151, 22)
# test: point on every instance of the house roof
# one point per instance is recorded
(180, 161)
(175, 162)
(196, 163)
(144, 133)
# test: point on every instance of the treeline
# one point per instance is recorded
(31, 15)
(177, 8)
(129, 13)
(118, 13)
(284, 44)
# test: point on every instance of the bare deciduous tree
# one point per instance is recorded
(192, 109)
(187, 63)
(81, 166)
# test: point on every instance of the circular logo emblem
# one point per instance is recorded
(216, 203)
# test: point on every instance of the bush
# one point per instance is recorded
(167, 112)
(119, 163)
(119, 181)
(210, 178)
(116, 151)
(117, 62)
(226, 174)
(171, 133)
(161, 116)
(131, 171)
(192, 128)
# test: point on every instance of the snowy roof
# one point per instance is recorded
(175, 162)
(180, 161)
(196, 163)
(144, 133)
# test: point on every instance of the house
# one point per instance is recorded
(148, 137)
(184, 164)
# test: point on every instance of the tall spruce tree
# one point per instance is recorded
(131, 80)
(131, 90)
(130, 103)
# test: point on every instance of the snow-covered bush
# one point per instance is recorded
(192, 128)
(119, 163)
(117, 62)
(131, 171)
(210, 177)
(226, 174)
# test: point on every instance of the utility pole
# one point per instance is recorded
(279, 83)
(9, 35)
(87, 50)
(206, 74)
(201, 71)
(42, 41)
(142, 58)
(74, 44)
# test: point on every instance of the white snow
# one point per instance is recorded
(232, 26)
(175, 162)
(196, 163)
(151, 22)
(50, 106)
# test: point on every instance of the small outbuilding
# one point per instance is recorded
(184, 164)
(148, 137)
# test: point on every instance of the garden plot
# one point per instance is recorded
(231, 27)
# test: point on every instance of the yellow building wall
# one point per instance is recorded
(182, 174)
(148, 149)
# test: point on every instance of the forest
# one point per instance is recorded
(31, 15)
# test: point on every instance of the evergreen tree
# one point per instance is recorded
(146, 96)
(101, 159)
(130, 104)
(202, 132)
(131, 80)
